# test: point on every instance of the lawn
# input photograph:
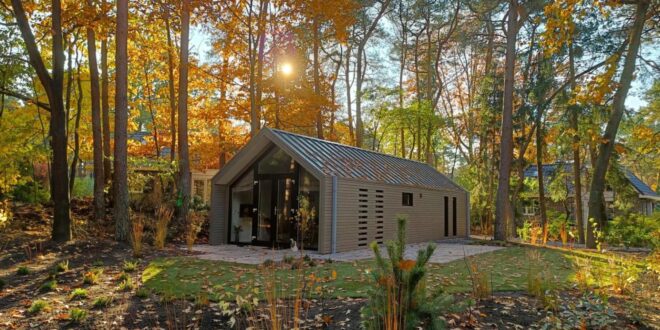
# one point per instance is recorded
(507, 269)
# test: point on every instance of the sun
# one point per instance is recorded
(287, 69)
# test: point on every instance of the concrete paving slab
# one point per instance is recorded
(446, 251)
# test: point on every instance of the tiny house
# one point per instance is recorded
(351, 196)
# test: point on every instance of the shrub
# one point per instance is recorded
(93, 276)
(22, 270)
(194, 225)
(524, 231)
(2, 284)
(78, 293)
(48, 286)
(103, 301)
(163, 218)
(62, 266)
(142, 293)
(635, 230)
(77, 315)
(398, 298)
(481, 287)
(130, 266)
(126, 285)
(38, 306)
(137, 232)
(588, 312)
(123, 277)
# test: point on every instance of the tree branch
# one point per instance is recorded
(25, 98)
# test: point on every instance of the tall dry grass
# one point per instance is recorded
(194, 225)
(163, 217)
(137, 233)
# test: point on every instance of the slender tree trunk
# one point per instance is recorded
(539, 167)
(171, 88)
(261, 46)
(120, 182)
(317, 80)
(577, 167)
(184, 160)
(152, 111)
(359, 130)
(97, 134)
(105, 113)
(76, 129)
(503, 212)
(254, 111)
(349, 102)
(606, 146)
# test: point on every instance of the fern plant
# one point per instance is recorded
(398, 298)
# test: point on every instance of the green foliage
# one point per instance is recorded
(83, 187)
(93, 276)
(62, 266)
(22, 270)
(399, 287)
(142, 293)
(123, 277)
(77, 315)
(588, 312)
(48, 286)
(38, 306)
(635, 230)
(130, 265)
(126, 285)
(2, 284)
(30, 192)
(103, 301)
(78, 293)
(524, 232)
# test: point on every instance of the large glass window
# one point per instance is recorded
(242, 209)
(309, 189)
(276, 162)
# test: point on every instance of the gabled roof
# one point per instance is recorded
(639, 185)
(328, 158)
(334, 159)
(550, 170)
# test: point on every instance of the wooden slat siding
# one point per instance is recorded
(218, 215)
(325, 215)
(425, 217)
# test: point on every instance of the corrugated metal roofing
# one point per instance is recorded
(334, 159)
(642, 187)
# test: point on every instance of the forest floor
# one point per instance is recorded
(94, 282)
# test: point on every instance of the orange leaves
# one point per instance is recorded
(407, 264)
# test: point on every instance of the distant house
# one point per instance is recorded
(356, 194)
(645, 200)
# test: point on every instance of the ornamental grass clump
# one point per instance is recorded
(163, 217)
(398, 298)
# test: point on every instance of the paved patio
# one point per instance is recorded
(446, 251)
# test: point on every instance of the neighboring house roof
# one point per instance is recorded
(326, 158)
(641, 187)
(334, 159)
(550, 170)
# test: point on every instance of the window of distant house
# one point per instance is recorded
(407, 199)
(530, 210)
(199, 188)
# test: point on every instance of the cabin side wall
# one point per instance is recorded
(218, 214)
(367, 212)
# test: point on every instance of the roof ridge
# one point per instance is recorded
(345, 145)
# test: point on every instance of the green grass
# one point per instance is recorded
(507, 270)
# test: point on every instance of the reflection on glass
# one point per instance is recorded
(265, 205)
(241, 210)
(285, 228)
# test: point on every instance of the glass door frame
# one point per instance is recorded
(273, 178)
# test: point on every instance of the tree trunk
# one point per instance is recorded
(358, 98)
(254, 111)
(503, 212)
(76, 129)
(539, 167)
(317, 82)
(170, 85)
(349, 110)
(97, 134)
(120, 182)
(577, 171)
(184, 160)
(152, 111)
(105, 109)
(606, 146)
(54, 90)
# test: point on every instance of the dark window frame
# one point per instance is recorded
(446, 200)
(407, 199)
